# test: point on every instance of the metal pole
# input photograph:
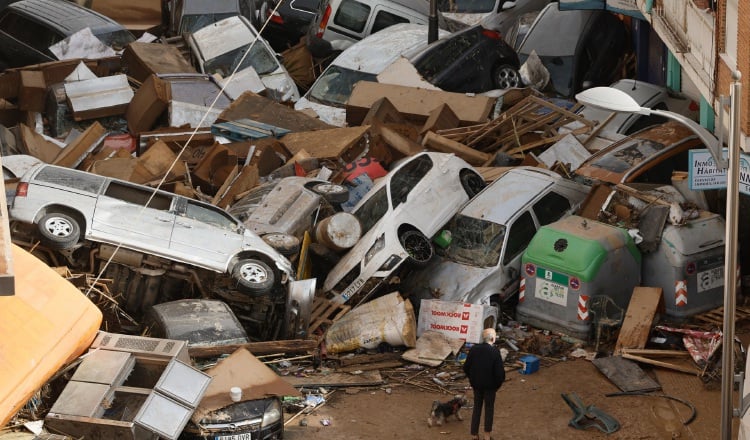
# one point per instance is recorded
(730, 259)
(432, 23)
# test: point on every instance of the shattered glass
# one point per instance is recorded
(259, 59)
(335, 85)
(474, 241)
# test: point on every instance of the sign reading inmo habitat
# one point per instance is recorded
(703, 173)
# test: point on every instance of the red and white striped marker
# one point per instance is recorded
(522, 290)
(583, 308)
(680, 293)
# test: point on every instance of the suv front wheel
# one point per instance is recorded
(253, 276)
(59, 231)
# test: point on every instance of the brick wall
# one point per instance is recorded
(723, 72)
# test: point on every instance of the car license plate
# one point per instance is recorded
(243, 436)
(710, 279)
(352, 289)
(552, 292)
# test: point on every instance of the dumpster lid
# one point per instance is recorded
(698, 235)
(577, 246)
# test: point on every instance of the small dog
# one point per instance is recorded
(441, 411)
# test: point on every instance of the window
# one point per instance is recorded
(352, 15)
(29, 32)
(520, 235)
(408, 176)
(72, 179)
(372, 210)
(138, 196)
(550, 208)
(384, 19)
(445, 54)
(211, 216)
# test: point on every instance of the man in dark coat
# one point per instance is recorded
(486, 372)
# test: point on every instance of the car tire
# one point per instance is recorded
(472, 183)
(253, 276)
(284, 243)
(331, 192)
(59, 231)
(418, 247)
(506, 77)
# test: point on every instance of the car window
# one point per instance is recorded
(643, 121)
(372, 210)
(210, 215)
(628, 155)
(521, 232)
(662, 169)
(352, 15)
(408, 176)
(259, 58)
(335, 86)
(29, 32)
(550, 208)
(193, 22)
(61, 176)
(445, 53)
(138, 196)
(466, 6)
(384, 19)
(116, 40)
(474, 241)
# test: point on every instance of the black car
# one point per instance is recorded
(472, 60)
(29, 27)
(579, 48)
(288, 22)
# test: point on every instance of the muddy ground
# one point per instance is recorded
(529, 406)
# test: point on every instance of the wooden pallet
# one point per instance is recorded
(716, 316)
(325, 313)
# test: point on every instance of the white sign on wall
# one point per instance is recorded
(703, 173)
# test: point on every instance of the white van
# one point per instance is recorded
(341, 23)
(362, 61)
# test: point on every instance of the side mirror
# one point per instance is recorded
(508, 5)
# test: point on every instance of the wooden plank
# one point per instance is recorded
(334, 380)
(371, 366)
(638, 319)
(436, 142)
(627, 375)
(72, 155)
(395, 140)
(257, 348)
(441, 117)
(345, 361)
(325, 144)
(683, 367)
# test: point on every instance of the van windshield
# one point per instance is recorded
(335, 85)
(474, 241)
(466, 6)
(259, 59)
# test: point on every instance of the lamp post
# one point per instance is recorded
(611, 99)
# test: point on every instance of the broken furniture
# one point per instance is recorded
(607, 316)
(246, 129)
(129, 387)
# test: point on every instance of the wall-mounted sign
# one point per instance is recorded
(703, 173)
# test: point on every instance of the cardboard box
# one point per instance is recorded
(416, 104)
(31, 96)
(456, 319)
(148, 104)
(144, 59)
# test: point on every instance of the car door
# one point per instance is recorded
(205, 234)
(521, 230)
(134, 216)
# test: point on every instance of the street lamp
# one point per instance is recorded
(611, 99)
(614, 100)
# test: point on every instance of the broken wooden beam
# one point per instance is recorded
(436, 142)
(256, 348)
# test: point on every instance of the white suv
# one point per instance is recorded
(69, 205)
(399, 215)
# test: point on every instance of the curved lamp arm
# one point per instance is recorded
(708, 139)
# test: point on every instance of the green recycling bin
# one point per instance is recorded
(569, 262)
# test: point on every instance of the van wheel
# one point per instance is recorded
(418, 247)
(506, 77)
(59, 231)
(331, 192)
(253, 276)
(472, 183)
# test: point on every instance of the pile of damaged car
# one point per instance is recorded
(212, 209)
